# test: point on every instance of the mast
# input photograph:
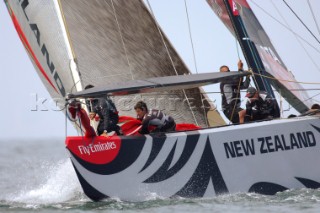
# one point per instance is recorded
(260, 53)
(248, 48)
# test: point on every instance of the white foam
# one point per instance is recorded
(61, 184)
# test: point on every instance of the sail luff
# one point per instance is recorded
(73, 65)
(44, 43)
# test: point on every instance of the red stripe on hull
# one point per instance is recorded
(28, 47)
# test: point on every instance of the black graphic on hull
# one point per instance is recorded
(309, 183)
(90, 191)
(267, 188)
(129, 152)
(206, 170)
(157, 143)
(164, 172)
(317, 128)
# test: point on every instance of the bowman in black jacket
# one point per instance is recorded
(230, 92)
(108, 114)
(260, 106)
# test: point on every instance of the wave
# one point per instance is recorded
(287, 201)
(57, 187)
(60, 184)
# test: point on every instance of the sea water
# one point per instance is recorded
(37, 176)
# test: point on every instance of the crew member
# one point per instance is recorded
(163, 122)
(108, 115)
(230, 92)
(259, 106)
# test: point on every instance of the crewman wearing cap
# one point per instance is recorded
(259, 106)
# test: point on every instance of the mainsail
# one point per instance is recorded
(274, 68)
(73, 43)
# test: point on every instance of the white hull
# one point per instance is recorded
(264, 157)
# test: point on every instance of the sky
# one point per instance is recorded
(213, 44)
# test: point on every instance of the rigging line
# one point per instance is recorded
(249, 45)
(67, 30)
(253, 77)
(285, 26)
(235, 104)
(280, 103)
(162, 38)
(75, 73)
(74, 86)
(190, 35)
(259, 69)
(122, 40)
(316, 101)
(204, 110)
(78, 127)
(237, 36)
(301, 21)
(167, 50)
(238, 53)
(311, 89)
(205, 97)
(82, 132)
(195, 61)
(255, 57)
(278, 79)
(66, 123)
(314, 17)
(303, 47)
(307, 99)
(252, 50)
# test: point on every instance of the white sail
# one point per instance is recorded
(39, 28)
(111, 41)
